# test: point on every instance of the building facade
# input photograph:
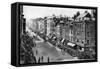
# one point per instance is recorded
(84, 31)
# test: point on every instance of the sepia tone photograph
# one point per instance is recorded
(53, 34)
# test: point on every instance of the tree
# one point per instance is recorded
(86, 11)
(74, 17)
(77, 14)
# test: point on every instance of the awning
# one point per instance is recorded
(62, 40)
(71, 44)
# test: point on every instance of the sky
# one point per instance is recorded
(37, 11)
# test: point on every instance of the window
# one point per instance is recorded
(87, 33)
(82, 41)
(78, 33)
(77, 40)
(87, 41)
(71, 32)
(75, 24)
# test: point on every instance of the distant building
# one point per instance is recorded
(63, 28)
(50, 26)
(33, 24)
(41, 25)
(84, 31)
(79, 30)
(84, 16)
(58, 31)
(36, 25)
(90, 33)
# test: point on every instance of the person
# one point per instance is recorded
(42, 58)
(36, 52)
(48, 59)
(39, 60)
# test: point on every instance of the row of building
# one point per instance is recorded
(80, 31)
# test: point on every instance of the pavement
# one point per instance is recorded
(55, 55)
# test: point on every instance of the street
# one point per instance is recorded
(49, 53)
